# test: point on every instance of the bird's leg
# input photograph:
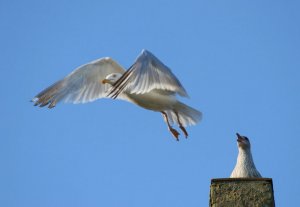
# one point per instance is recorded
(181, 126)
(174, 132)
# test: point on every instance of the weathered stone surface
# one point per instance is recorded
(241, 192)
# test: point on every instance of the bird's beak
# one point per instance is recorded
(240, 138)
(105, 81)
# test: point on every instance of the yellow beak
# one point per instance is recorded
(105, 81)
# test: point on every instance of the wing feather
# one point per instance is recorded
(82, 85)
(146, 74)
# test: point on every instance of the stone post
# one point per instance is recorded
(241, 192)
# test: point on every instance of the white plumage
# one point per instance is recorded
(148, 83)
(245, 167)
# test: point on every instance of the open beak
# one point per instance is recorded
(105, 81)
(240, 138)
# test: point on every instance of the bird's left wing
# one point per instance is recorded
(82, 85)
(146, 74)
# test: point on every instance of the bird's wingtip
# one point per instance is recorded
(35, 99)
(144, 50)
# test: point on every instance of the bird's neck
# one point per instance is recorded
(245, 166)
(245, 157)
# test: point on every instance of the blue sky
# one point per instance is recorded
(238, 60)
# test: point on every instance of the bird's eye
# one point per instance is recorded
(246, 138)
(114, 75)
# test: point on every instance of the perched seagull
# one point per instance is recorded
(148, 83)
(244, 167)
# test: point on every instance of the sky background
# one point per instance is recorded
(238, 60)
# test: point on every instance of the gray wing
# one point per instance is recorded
(146, 74)
(82, 85)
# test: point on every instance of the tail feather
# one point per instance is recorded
(187, 115)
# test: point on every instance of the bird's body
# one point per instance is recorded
(155, 100)
(245, 167)
(148, 83)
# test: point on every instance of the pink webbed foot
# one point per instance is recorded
(184, 131)
(175, 133)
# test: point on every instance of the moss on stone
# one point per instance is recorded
(248, 192)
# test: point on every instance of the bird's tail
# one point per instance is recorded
(186, 114)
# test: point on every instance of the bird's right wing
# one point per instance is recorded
(82, 85)
(146, 74)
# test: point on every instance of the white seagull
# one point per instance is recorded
(245, 167)
(148, 83)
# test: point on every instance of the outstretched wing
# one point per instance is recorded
(146, 74)
(82, 85)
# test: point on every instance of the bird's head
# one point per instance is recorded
(243, 142)
(111, 78)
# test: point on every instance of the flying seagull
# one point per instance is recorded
(244, 167)
(148, 83)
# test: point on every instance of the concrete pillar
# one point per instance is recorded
(241, 192)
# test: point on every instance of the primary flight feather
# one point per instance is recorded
(148, 83)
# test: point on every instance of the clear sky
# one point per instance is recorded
(238, 60)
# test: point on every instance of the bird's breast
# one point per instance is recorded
(153, 100)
